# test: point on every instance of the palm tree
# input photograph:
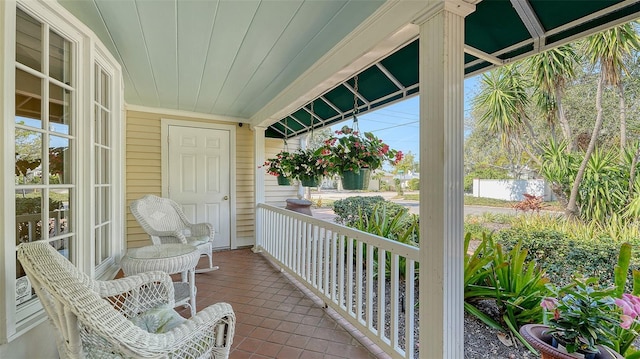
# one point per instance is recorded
(608, 50)
(550, 72)
(503, 100)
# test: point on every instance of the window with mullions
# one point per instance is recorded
(103, 157)
(44, 140)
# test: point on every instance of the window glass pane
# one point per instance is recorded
(98, 199)
(59, 57)
(28, 168)
(97, 244)
(63, 246)
(28, 41)
(59, 109)
(105, 210)
(98, 166)
(28, 99)
(105, 167)
(106, 251)
(104, 80)
(96, 127)
(28, 215)
(24, 289)
(59, 221)
(104, 138)
(59, 160)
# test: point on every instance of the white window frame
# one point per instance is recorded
(87, 51)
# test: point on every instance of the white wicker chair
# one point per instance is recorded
(91, 317)
(164, 220)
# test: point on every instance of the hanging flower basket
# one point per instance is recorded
(350, 153)
(283, 181)
(309, 181)
(356, 179)
(280, 166)
(308, 166)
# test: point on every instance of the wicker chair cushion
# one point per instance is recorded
(158, 320)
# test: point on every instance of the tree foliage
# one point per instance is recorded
(565, 111)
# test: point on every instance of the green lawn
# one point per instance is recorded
(491, 202)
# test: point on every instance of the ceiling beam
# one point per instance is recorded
(530, 21)
(483, 55)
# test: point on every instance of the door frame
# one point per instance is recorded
(164, 164)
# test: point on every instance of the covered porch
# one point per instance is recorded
(123, 53)
(275, 317)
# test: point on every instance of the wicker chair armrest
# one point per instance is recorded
(122, 285)
(208, 334)
(178, 236)
(137, 293)
(202, 229)
(210, 330)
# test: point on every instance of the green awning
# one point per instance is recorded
(499, 31)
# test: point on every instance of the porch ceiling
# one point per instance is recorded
(236, 59)
(220, 57)
(498, 32)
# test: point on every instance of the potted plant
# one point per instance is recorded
(354, 156)
(579, 321)
(280, 166)
(309, 166)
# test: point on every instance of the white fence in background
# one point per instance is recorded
(340, 265)
(512, 190)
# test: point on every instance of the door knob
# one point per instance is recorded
(225, 198)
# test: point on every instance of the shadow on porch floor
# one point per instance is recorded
(275, 319)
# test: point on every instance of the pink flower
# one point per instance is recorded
(633, 301)
(549, 303)
(627, 308)
(626, 321)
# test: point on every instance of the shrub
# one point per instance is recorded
(507, 277)
(349, 210)
(414, 184)
(564, 258)
(530, 203)
(33, 205)
(398, 186)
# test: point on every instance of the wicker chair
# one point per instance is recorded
(164, 220)
(92, 318)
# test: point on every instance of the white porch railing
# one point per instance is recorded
(340, 265)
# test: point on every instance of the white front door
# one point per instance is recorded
(198, 173)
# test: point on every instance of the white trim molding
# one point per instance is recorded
(441, 192)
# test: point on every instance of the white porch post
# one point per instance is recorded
(441, 168)
(259, 144)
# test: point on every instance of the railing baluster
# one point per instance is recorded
(409, 312)
(370, 293)
(335, 268)
(320, 254)
(350, 263)
(327, 261)
(342, 242)
(319, 257)
(359, 264)
(381, 294)
(394, 278)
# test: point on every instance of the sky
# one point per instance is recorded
(398, 124)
